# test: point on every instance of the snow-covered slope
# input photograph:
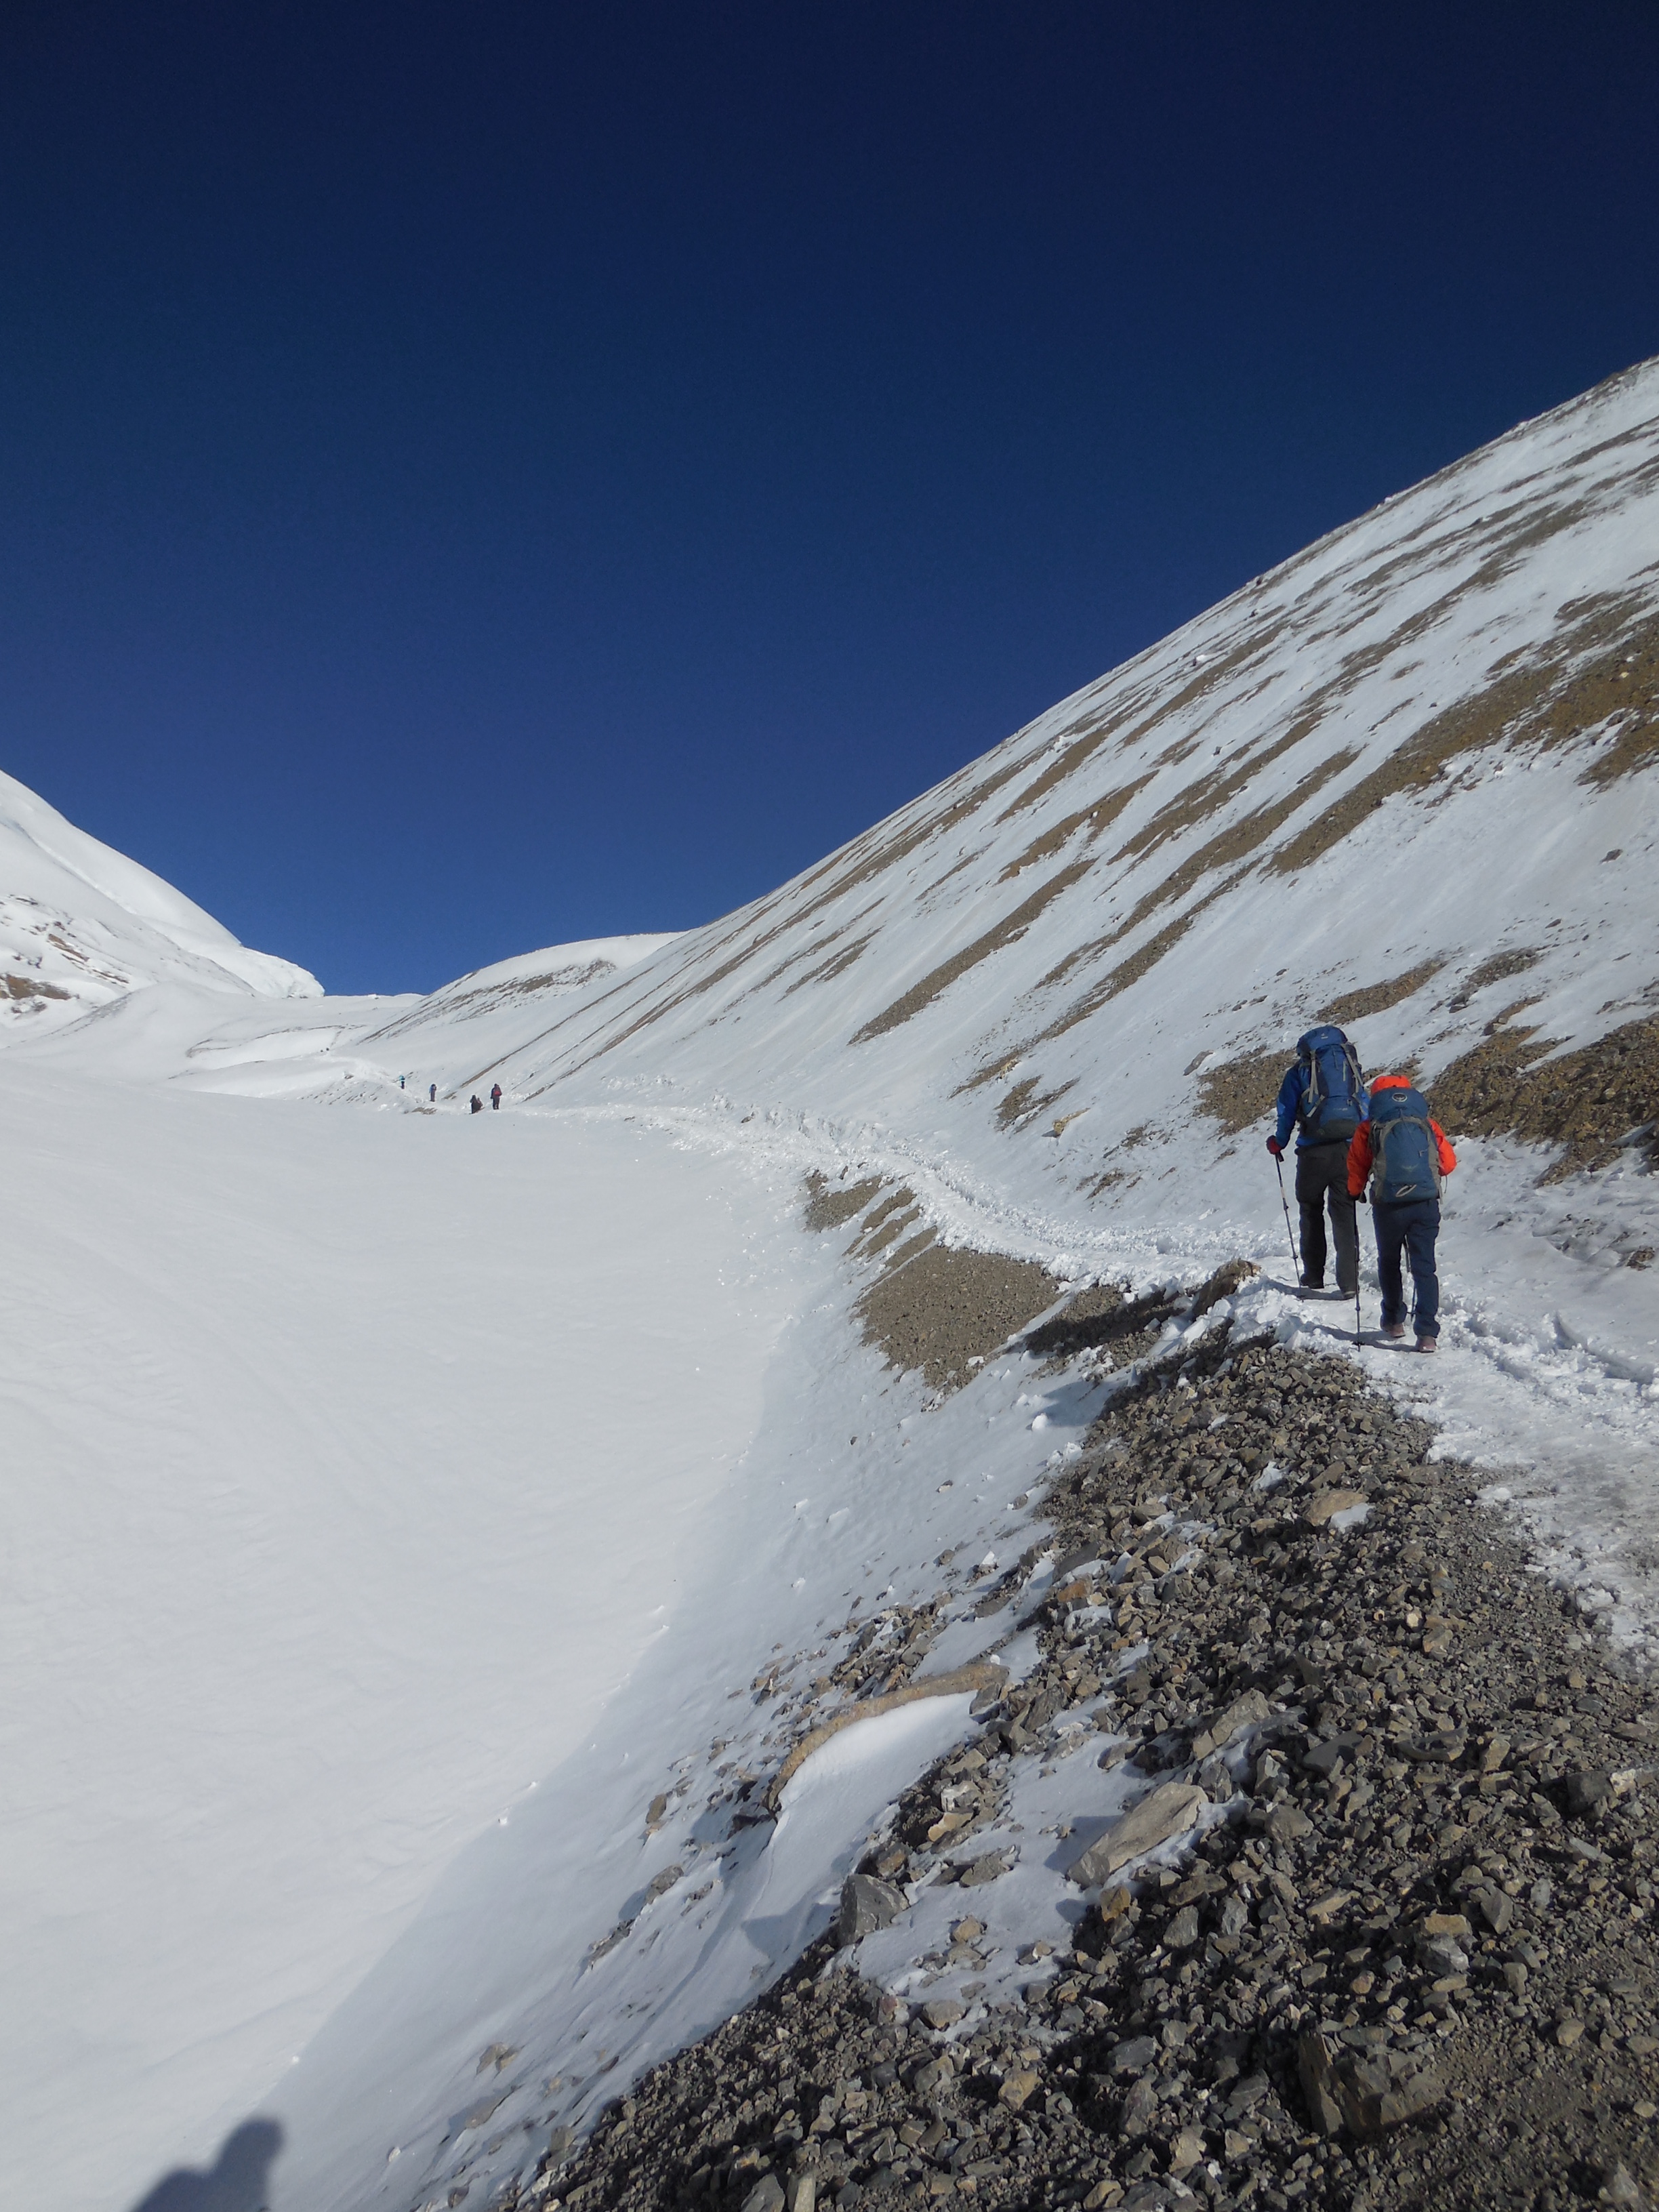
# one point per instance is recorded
(1423, 747)
(80, 926)
(1410, 781)
(383, 1466)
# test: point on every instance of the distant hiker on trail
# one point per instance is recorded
(496, 1098)
(403, 1082)
(1323, 1098)
(477, 1103)
(1404, 1151)
(432, 1094)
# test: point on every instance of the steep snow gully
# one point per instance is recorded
(429, 1534)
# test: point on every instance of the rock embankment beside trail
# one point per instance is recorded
(1407, 1957)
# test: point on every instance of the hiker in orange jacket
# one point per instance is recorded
(1404, 1151)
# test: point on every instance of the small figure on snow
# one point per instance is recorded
(1323, 1098)
(477, 1103)
(496, 1098)
(1404, 1151)
(432, 1094)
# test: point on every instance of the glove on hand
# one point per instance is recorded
(1275, 1148)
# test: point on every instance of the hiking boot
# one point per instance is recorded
(1424, 1343)
(1393, 1330)
(1311, 1282)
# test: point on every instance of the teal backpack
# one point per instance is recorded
(1405, 1157)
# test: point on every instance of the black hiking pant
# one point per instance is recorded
(1322, 1180)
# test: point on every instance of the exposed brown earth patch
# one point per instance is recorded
(1011, 925)
(1138, 964)
(1211, 793)
(913, 1246)
(31, 986)
(993, 1072)
(885, 1225)
(828, 1204)
(1023, 1101)
(837, 964)
(1241, 1093)
(950, 1307)
(822, 945)
(1621, 685)
(1604, 659)
(1497, 970)
(1378, 998)
(1097, 730)
(1101, 815)
(1108, 1179)
(1582, 1103)
(1240, 841)
(1105, 1313)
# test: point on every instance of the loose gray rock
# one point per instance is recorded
(1246, 1711)
(866, 1905)
(1621, 2187)
(1183, 1931)
(1167, 1811)
(1140, 2108)
(766, 2196)
(1444, 1955)
(1497, 1910)
(1438, 1797)
(988, 1868)
(1368, 2093)
(1285, 1825)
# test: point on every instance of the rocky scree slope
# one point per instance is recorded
(1385, 1937)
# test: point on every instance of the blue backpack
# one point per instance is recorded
(1404, 1158)
(1333, 1096)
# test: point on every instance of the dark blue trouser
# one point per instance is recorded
(1410, 1227)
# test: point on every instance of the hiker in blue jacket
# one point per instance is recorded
(1322, 1099)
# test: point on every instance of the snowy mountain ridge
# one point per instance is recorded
(81, 924)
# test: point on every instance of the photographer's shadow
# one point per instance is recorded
(239, 2181)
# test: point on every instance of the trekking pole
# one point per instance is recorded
(1296, 1257)
(1359, 1202)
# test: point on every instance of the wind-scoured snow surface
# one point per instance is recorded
(401, 1500)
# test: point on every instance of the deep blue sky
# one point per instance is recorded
(475, 475)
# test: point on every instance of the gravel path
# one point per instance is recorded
(1411, 1965)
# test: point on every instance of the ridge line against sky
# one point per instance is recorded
(473, 482)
